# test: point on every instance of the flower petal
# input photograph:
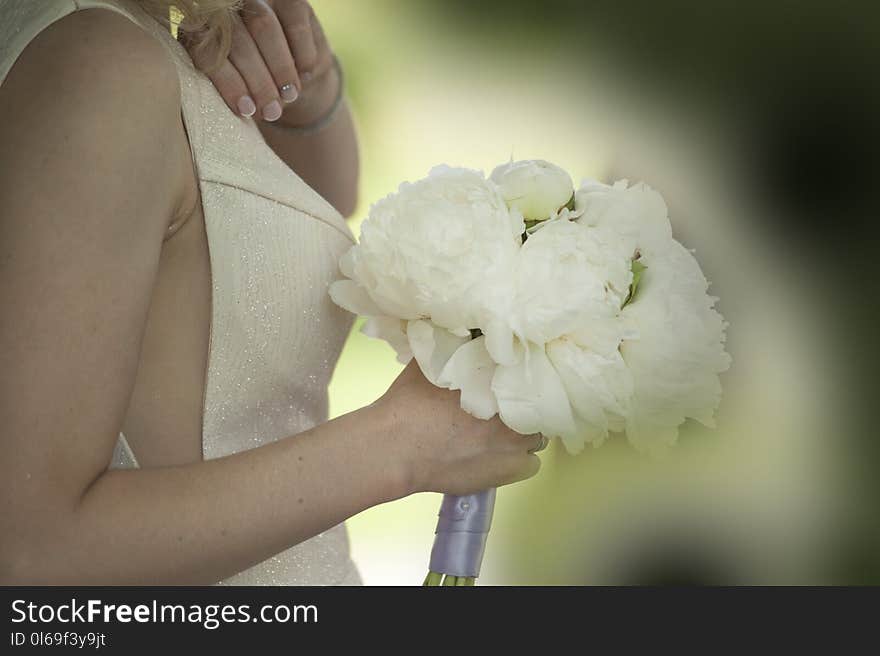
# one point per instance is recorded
(354, 298)
(346, 262)
(583, 432)
(531, 397)
(470, 369)
(391, 330)
(432, 347)
(598, 386)
(500, 341)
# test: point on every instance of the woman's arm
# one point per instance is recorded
(199, 523)
(89, 179)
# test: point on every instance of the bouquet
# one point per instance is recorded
(571, 313)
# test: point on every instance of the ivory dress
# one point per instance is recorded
(274, 246)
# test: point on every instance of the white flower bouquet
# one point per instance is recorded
(571, 313)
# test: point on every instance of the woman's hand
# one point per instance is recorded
(447, 450)
(279, 56)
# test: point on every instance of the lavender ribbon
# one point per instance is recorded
(462, 529)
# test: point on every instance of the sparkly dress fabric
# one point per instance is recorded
(274, 246)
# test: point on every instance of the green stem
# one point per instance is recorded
(433, 579)
(436, 579)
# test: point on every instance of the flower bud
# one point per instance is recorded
(536, 188)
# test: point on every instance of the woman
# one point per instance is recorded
(165, 251)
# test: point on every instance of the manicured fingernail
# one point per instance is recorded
(306, 76)
(272, 111)
(246, 106)
(289, 93)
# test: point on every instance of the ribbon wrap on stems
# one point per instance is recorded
(462, 529)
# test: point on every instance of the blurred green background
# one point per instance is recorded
(757, 123)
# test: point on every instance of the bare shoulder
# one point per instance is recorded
(94, 88)
(95, 51)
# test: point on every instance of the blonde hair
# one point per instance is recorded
(205, 24)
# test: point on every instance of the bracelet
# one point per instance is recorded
(322, 121)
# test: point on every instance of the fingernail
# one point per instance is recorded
(246, 106)
(272, 111)
(289, 93)
(306, 76)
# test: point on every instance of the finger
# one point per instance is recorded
(325, 54)
(267, 32)
(514, 442)
(296, 19)
(538, 445)
(246, 57)
(513, 468)
(233, 90)
(227, 80)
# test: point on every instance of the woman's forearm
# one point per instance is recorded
(327, 159)
(200, 523)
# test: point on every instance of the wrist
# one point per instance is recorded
(391, 439)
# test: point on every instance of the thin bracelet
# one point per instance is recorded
(322, 121)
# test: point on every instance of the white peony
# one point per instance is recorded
(536, 188)
(567, 279)
(679, 351)
(672, 340)
(629, 219)
(442, 248)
